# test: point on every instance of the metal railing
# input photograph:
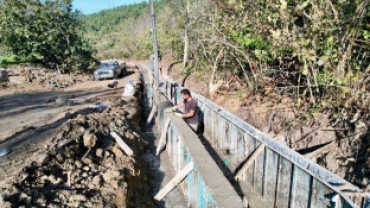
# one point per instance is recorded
(196, 192)
(181, 145)
(279, 176)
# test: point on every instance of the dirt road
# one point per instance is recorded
(29, 115)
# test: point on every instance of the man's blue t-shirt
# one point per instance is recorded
(151, 63)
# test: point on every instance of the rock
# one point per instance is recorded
(66, 153)
(112, 126)
(99, 205)
(60, 136)
(86, 168)
(119, 122)
(361, 129)
(3, 75)
(130, 136)
(114, 184)
(81, 129)
(42, 159)
(68, 116)
(99, 152)
(26, 199)
(106, 153)
(97, 180)
(2, 198)
(110, 174)
(78, 198)
(89, 139)
(87, 161)
(107, 110)
(52, 179)
(136, 134)
(78, 164)
(6, 205)
(60, 102)
(117, 152)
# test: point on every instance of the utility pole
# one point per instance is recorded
(156, 64)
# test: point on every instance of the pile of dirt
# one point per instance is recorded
(84, 166)
(40, 75)
(46, 77)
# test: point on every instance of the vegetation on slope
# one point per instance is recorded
(48, 32)
(317, 53)
(125, 31)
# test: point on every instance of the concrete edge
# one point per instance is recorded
(220, 188)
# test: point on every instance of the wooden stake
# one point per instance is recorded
(245, 202)
(69, 178)
(344, 186)
(162, 139)
(320, 151)
(176, 180)
(122, 144)
(67, 141)
(250, 160)
(355, 194)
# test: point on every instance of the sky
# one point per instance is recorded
(91, 6)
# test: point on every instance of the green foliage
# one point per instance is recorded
(48, 32)
(125, 31)
(13, 60)
(366, 34)
(246, 40)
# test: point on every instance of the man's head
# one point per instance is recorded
(185, 94)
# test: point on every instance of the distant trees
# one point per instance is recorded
(49, 32)
(321, 43)
(132, 33)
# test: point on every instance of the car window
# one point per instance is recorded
(107, 65)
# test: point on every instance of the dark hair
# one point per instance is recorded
(185, 92)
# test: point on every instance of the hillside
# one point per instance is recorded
(125, 30)
(299, 71)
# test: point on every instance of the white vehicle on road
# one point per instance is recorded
(107, 70)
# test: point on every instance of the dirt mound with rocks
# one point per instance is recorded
(84, 166)
(47, 77)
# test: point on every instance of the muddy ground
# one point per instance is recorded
(91, 170)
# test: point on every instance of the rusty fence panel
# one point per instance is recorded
(281, 176)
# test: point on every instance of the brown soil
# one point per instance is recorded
(35, 118)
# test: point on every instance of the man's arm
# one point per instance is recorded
(180, 105)
(188, 115)
(174, 108)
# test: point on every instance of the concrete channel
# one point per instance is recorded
(235, 163)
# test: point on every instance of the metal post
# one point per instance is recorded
(156, 64)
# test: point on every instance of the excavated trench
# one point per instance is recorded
(84, 166)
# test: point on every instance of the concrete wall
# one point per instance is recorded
(205, 186)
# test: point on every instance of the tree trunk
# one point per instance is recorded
(214, 87)
(186, 41)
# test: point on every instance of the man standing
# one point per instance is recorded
(151, 68)
(191, 105)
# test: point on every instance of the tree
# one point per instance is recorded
(50, 32)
